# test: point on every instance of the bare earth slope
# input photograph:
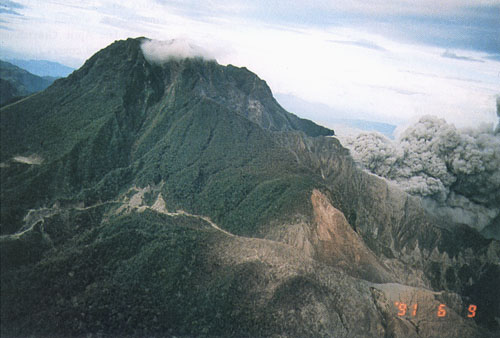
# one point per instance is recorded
(181, 200)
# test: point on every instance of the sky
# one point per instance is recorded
(385, 61)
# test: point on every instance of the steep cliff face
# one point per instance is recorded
(179, 199)
(419, 249)
(330, 239)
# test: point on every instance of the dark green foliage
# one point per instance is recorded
(28, 250)
(9, 93)
(135, 259)
(16, 82)
(139, 274)
(119, 121)
(214, 142)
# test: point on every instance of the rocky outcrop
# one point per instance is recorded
(330, 239)
(180, 200)
(419, 249)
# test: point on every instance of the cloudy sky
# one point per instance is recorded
(386, 61)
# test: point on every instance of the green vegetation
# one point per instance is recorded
(119, 122)
(140, 274)
(214, 142)
(119, 277)
(15, 83)
(113, 124)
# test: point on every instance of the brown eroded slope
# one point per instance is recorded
(337, 244)
(330, 239)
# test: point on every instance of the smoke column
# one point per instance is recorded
(456, 172)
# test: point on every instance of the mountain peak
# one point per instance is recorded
(169, 199)
(118, 93)
(158, 70)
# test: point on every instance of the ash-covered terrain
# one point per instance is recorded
(173, 196)
(455, 171)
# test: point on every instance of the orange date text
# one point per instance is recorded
(405, 309)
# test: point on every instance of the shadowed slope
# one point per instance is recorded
(179, 199)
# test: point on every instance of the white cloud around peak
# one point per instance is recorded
(158, 51)
(393, 82)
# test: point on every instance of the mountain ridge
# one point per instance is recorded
(145, 199)
(123, 108)
(43, 68)
(17, 83)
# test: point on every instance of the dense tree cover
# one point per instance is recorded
(213, 142)
(120, 121)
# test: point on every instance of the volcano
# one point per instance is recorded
(178, 198)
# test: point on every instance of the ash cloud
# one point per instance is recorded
(455, 171)
(156, 51)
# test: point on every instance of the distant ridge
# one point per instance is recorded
(332, 117)
(16, 83)
(180, 199)
(43, 67)
(364, 125)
